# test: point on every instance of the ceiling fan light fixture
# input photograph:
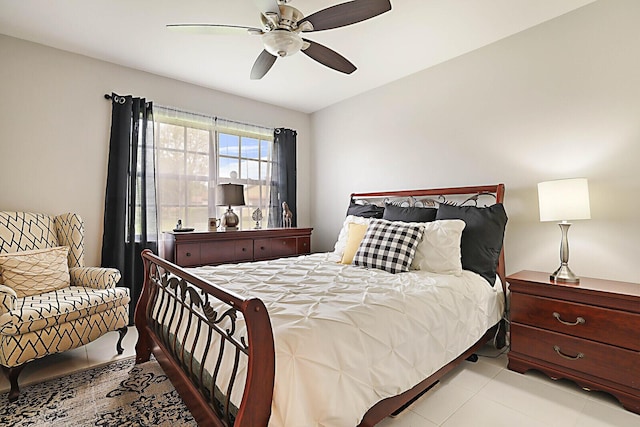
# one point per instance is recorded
(282, 42)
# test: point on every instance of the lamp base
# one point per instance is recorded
(564, 275)
(230, 221)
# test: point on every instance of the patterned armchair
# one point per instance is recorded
(49, 301)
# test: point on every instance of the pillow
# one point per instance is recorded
(408, 214)
(355, 236)
(439, 251)
(388, 246)
(341, 243)
(366, 211)
(36, 271)
(482, 237)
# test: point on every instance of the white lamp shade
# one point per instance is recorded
(564, 200)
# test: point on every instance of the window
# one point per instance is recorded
(195, 153)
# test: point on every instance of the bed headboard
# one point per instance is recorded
(480, 195)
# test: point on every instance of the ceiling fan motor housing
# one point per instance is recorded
(282, 42)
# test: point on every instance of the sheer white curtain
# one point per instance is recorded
(195, 152)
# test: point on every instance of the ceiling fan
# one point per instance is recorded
(282, 25)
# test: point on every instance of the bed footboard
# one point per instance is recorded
(177, 313)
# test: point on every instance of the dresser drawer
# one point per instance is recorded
(588, 357)
(282, 247)
(219, 252)
(188, 254)
(304, 245)
(605, 325)
(262, 249)
(244, 250)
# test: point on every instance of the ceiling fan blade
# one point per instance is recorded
(328, 57)
(268, 7)
(213, 29)
(263, 63)
(347, 13)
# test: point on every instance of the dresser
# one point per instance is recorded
(190, 249)
(587, 332)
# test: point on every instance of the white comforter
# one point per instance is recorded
(347, 337)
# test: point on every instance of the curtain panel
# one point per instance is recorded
(283, 184)
(130, 218)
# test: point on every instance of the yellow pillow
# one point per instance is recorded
(35, 272)
(354, 237)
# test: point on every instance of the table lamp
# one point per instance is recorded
(564, 200)
(230, 195)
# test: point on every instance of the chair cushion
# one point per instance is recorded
(36, 271)
(37, 312)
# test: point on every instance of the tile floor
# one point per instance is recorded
(484, 393)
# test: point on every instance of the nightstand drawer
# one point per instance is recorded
(615, 327)
(592, 358)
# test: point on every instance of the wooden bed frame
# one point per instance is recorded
(207, 406)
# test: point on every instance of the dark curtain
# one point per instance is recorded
(130, 219)
(283, 184)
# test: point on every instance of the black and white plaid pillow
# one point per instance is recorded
(388, 246)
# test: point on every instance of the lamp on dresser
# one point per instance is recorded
(564, 200)
(230, 195)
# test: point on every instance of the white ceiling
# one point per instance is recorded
(414, 35)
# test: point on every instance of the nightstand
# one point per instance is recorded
(587, 332)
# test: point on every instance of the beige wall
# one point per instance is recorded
(54, 129)
(559, 100)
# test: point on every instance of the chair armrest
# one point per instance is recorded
(7, 299)
(94, 277)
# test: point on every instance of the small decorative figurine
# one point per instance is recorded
(179, 225)
(287, 215)
(257, 217)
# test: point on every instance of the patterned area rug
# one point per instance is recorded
(118, 394)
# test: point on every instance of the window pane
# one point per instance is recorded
(249, 169)
(265, 150)
(228, 167)
(250, 148)
(265, 172)
(252, 196)
(169, 190)
(170, 162)
(197, 193)
(170, 216)
(198, 164)
(171, 136)
(197, 217)
(229, 145)
(198, 140)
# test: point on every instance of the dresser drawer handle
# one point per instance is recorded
(561, 354)
(579, 320)
(188, 254)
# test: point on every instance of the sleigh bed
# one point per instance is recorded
(315, 340)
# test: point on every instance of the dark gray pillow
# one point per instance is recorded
(482, 237)
(365, 211)
(408, 214)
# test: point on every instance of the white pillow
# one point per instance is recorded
(341, 243)
(439, 251)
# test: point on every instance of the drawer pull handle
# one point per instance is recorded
(579, 320)
(244, 249)
(188, 253)
(561, 354)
